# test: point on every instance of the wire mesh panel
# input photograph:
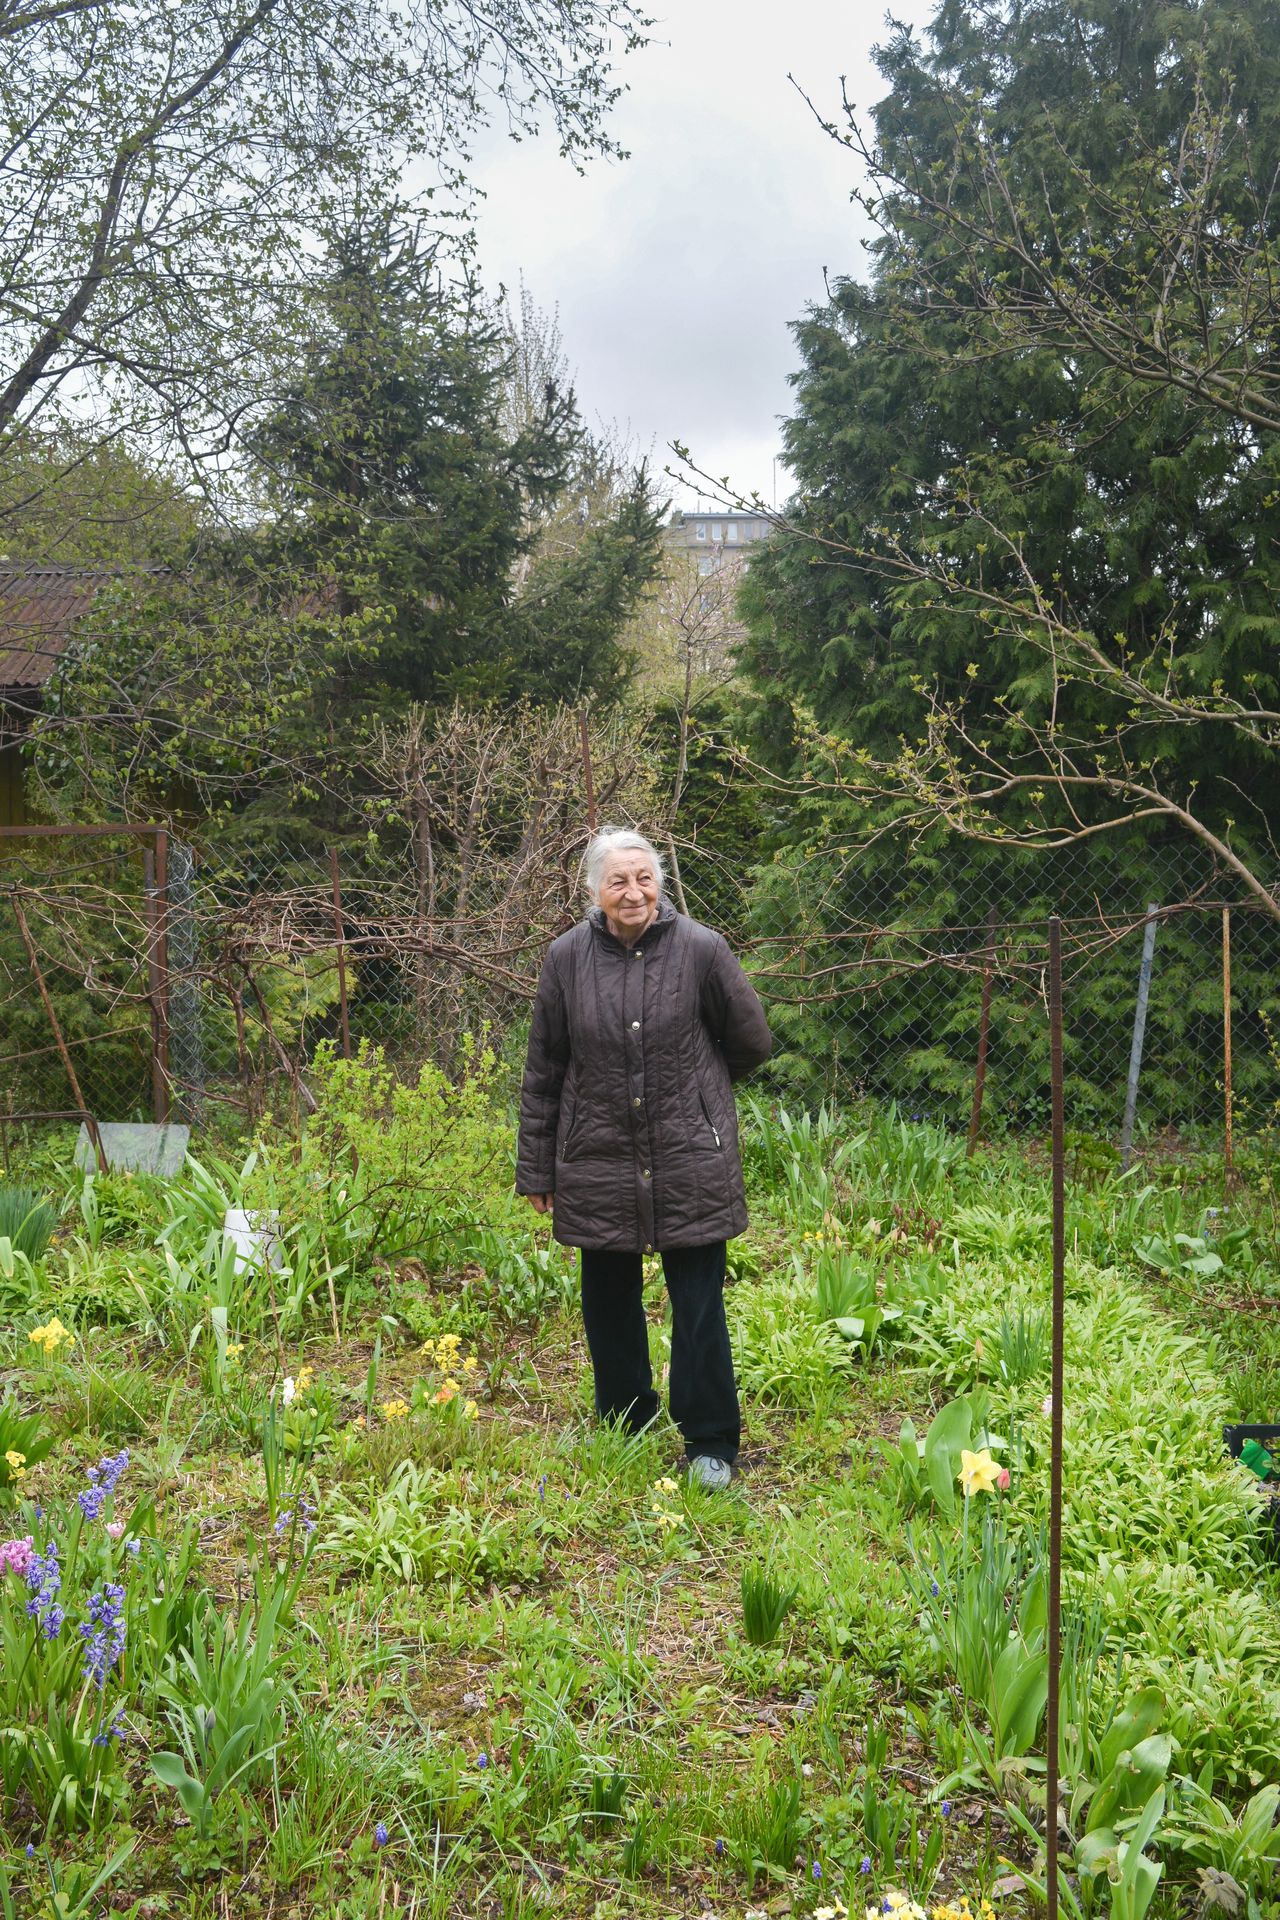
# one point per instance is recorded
(80, 953)
(199, 980)
(868, 994)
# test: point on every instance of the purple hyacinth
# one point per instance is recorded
(116, 1731)
(44, 1579)
(103, 1633)
(102, 1481)
(380, 1834)
(305, 1517)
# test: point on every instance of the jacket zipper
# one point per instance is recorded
(707, 1117)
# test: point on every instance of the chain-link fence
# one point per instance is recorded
(143, 977)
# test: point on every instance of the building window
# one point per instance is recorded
(700, 531)
(733, 532)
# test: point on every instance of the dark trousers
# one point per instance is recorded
(704, 1394)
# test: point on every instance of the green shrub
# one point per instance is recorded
(392, 1170)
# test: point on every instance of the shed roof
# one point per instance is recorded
(39, 606)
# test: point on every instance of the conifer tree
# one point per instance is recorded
(1020, 546)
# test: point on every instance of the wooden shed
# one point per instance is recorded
(40, 607)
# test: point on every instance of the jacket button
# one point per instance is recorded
(639, 955)
(636, 1101)
(635, 1023)
(646, 1174)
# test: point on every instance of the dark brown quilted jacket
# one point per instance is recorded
(626, 1111)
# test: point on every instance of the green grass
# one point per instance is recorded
(564, 1681)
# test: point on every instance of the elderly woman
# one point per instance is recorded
(629, 1137)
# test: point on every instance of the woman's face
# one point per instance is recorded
(629, 894)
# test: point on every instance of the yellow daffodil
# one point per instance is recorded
(52, 1336)
(394, 1409)
(17, 1462)
(961, 1910)
(978, 1472)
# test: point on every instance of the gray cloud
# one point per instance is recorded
(678, 271)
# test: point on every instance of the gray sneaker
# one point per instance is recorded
(706, 1471)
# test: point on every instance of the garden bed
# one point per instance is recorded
(380, 1623)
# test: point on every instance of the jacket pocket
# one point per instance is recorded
(706, 1114)
(572, 1132)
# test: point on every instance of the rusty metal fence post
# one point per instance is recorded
(63, 1050)
(1228, 1116)
(343, 1010)
(1055, 1415)
(162, 969)
(159, 1105)
(984, 1028)
(587, 775)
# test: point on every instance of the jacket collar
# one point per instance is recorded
(666, 917)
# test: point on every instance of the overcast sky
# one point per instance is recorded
(677, 272)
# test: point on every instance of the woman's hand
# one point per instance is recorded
(541, 1202)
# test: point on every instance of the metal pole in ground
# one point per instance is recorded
(586, 770)
(1055, 1416)
(984, 1028)
(1139, 1033)
(158, 1102)
(342, 953)
(1227, 1145)
(162, 968)
(90, 1123)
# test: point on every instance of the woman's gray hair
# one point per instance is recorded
(614, 840)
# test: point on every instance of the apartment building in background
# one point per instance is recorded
(716, 536)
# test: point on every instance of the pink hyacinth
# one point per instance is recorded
(16, 1556)
(116, 1529)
